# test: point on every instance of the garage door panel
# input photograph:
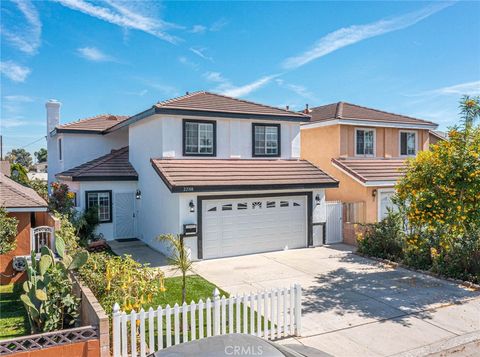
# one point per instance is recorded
(252, 225)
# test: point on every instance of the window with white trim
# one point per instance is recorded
(199, 138)
(266, 140)
(364, 142)
(408, 143)
(103, 201)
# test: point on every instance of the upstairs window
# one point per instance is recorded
(102, 200)
(266, 140)
(364, 142)
(199, 138)
(60, 153)
(408, 143)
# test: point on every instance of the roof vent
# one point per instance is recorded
(306, 111)
(187, 93)
(287, 107)
(112, 117)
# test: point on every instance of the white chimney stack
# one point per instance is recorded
(53, 114)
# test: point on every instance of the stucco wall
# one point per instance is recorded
(107, 229)
(80, 148)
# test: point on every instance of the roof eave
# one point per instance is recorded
(26, 209)
(366, 122)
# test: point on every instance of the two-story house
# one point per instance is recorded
(223, 172)
(366, 149)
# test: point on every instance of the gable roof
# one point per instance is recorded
(14, 195)
(371, 172)
(198, 175)
(111, 167)
(204, 103)
(96, 124)
(343, 110)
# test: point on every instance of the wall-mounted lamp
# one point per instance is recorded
(374, 193)
(191, 205)
(317, 199)
(138, 194)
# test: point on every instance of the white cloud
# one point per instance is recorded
(200, 52)
(214, 77)
(185, 61)
(468, 88)
(131, 15)
(241, 91)
(25, 37)
(93, 54)
(218, 25)
(296, 88)
(13, 71)
(198, 29)
(18, 98)
(12, 123)
(350, 35)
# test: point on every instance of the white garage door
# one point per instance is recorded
(252, 225)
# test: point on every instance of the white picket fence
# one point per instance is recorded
(269, 314)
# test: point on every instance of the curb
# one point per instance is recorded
(465, 283)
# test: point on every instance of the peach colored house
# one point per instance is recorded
(365, 149)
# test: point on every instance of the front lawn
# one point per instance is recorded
(13, 317)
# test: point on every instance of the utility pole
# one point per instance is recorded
(1, 148)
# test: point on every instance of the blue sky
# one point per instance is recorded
(413, 58)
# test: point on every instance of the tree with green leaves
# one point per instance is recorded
(8, 232)
(41, 155)
(179, 258)
(18, 173)
(20, 156)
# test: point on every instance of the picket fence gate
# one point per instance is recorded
(269, 314)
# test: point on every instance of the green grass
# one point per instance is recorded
(197, 288)
(13, 317)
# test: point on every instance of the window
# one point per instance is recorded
(103, 201)
(227, 207)
(199, 138)
(284, 204)
(266, 140)
(60, 154)
(270, 204)
(241, 206)
(408, 143)
(365, 142)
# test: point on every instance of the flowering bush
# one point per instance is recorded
(61, 199)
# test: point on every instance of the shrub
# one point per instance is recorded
(383, 239)
(40, 187)
(8, 232)
(121, 279)
(86, 223)
(61, 199)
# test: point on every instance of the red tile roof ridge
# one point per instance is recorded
(173, 100)
(107, 115)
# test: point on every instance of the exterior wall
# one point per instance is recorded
(80, 148)
(89, 348)
(80, 187)
(163, 136)
(387, 140)
(23, 248)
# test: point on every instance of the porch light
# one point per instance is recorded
(317, 199)
(138, 194)
(374, 193)
(192, 206)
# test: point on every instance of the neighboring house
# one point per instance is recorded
(223, 172)
(366, 150)
(30, 210)
(436, 136)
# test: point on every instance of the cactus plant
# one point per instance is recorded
(48, 296)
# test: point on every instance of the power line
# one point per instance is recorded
(33, 142)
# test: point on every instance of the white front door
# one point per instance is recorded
(385, 202)
(252, 225)
(124, 204)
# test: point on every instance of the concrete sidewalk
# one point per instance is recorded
(353, 306)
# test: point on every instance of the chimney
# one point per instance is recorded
(287, 107)
(306, 111)
(53, 114)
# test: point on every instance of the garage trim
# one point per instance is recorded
(200, 200)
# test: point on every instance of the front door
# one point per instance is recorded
(385, 203)
(124, 215)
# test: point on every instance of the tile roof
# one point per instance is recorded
(15, 195)
(212, 102)
(113, 166)
(342, 110)
(372, 169)
(96, 124)
(193, 175)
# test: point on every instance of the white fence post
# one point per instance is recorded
(298, 309)
(273, 314)
(116, 330)
(216, 312)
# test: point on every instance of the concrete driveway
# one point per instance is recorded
(353, 306)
